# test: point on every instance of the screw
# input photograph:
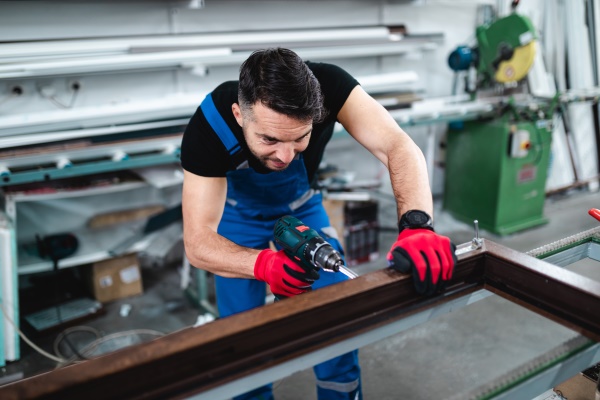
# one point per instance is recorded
(476, 242)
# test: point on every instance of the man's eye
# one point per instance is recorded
(303, 138)
(270, 141)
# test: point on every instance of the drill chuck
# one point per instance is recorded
(323, 255)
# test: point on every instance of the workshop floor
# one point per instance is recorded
(447, 356)
(455, 354)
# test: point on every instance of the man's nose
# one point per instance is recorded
(286, 152)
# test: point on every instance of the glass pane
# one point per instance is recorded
(587, 267)
(467, 352)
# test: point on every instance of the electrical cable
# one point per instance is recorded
(57, 247)
(54, 100)
(70, 331)
(46, 249)
(28, 341)
(58, 312)
(87, 350)
(60, 359)
(539, 148)
(91, 346)
(60, 104)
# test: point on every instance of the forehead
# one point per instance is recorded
(266, 121)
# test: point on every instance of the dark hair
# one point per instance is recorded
(280, 80)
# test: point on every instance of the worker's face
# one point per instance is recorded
(273, 138)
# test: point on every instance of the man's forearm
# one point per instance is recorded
(409, 178)
(212, 252)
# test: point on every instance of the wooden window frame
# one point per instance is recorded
(197, 360)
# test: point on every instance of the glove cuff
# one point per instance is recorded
(415, 219)
(261, 264)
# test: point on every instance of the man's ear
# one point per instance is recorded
(237, 113)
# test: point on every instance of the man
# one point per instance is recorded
(250, 155)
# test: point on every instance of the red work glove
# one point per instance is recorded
(429, 256)
(284, 276)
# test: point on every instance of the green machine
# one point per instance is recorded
(496, 167)
(496, 172)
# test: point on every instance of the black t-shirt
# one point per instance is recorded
(203, 153)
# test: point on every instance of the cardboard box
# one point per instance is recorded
(335, 212)
(116, 278)
(578, 387)
(358, 228)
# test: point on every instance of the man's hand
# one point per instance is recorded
(429, 256)
(285, 276)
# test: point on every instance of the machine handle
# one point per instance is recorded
(594, 212)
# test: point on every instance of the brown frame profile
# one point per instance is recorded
(195, 360)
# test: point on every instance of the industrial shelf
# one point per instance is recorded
(94, 245)
(64, 194)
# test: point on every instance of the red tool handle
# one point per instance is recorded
(594, 212)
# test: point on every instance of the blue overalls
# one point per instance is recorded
(254, 203)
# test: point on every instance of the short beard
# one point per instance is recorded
(264, 164)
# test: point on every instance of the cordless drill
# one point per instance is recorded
(304, 245)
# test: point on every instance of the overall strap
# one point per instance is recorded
(221, 128)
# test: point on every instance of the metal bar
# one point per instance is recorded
(197, 360)
(553, 376)
(70, 48)
(550, 249)
(571, 255)
(80, 151)
(9, 297)
(52, 136)
(89, 167)
(577, 184)
(190, 58)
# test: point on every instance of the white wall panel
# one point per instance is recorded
(240, 15)
(95, 90)
(67, 19)
(44, 20)
(64, 19)
(35, 20)
(455, 19)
